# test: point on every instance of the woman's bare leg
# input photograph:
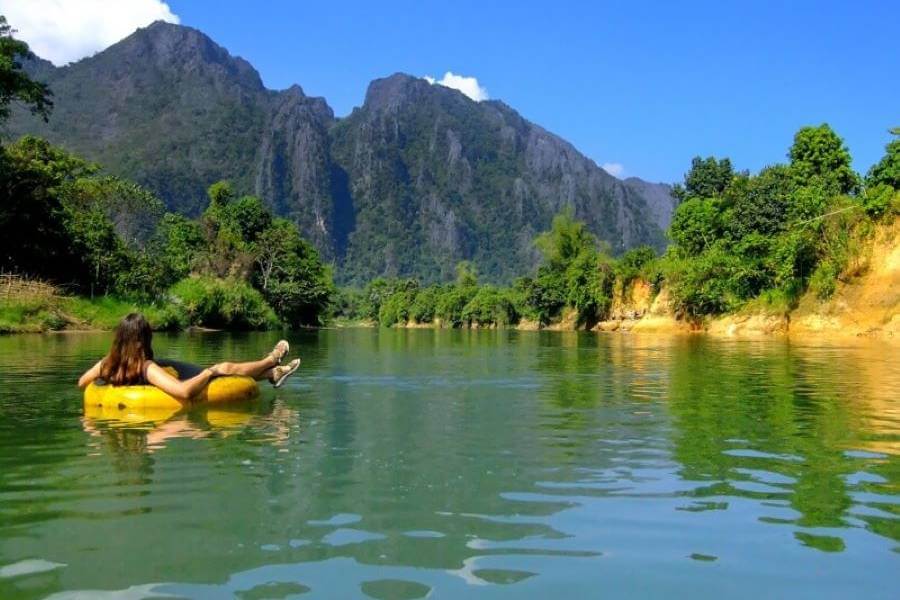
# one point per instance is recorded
(257, 369)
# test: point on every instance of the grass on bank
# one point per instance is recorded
(29, 306)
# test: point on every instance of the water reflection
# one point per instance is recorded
(775, 425)
(148, 430)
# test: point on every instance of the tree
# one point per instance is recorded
(702, 285)
(490, 306)
(248, 217)
(452, 303)
(96, 243)
(695, 226)
(542, 297)
(220, 193)
(466, 274)
(291, 275)
(33, 235)
(425, 303)
(887, 170)
(182, 242)
(133, 210)
(112, 224)
(15, 84)
(760, 204)
(708, 178)
(819, 153)
(566, 239)
(228, 252)
(589, 280)
(396, 309)
(630, 264)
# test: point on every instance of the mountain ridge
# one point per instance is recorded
(413, 180)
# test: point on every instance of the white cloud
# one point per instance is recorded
(467, 85)
(63, 31)
(614, 169)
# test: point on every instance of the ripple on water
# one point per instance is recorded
(390, 589)
(423, 533)
(337, 520)
(345, 536)
(864, 454)
(749, 453)
(768, 477)
(30, 566)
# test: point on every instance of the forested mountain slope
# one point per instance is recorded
(415, 180)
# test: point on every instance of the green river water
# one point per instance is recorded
(461, 464)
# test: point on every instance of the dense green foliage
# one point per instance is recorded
(887, 170)
(15, 84)
(235, 267)
(33, 235)
(220, 303)
(776, 234)
(819, 157)
(490, 306)
(707, 178)
(574, 273)
(633, 263)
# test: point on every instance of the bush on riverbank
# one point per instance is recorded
(218, 304)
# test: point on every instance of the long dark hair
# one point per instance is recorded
(131, 348)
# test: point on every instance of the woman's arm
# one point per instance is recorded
(181, 390)
(90, 375)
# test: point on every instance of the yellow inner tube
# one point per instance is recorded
(221, 389)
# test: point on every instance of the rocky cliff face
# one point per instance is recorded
(416, 179)
(293, 169)
(431, 169)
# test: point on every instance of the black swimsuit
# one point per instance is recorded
(185, 371)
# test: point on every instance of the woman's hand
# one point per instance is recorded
(90, 375)
(218, 369)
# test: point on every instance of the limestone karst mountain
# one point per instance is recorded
(416, 179)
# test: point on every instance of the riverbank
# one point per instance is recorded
(34, 306)
(865, 303)
(47, 311)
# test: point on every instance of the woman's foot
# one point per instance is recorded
(280, 374)
(280, 351)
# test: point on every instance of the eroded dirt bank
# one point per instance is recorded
(864, 305)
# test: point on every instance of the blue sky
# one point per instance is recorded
(645, 85)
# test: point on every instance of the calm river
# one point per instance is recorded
(461, 464)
